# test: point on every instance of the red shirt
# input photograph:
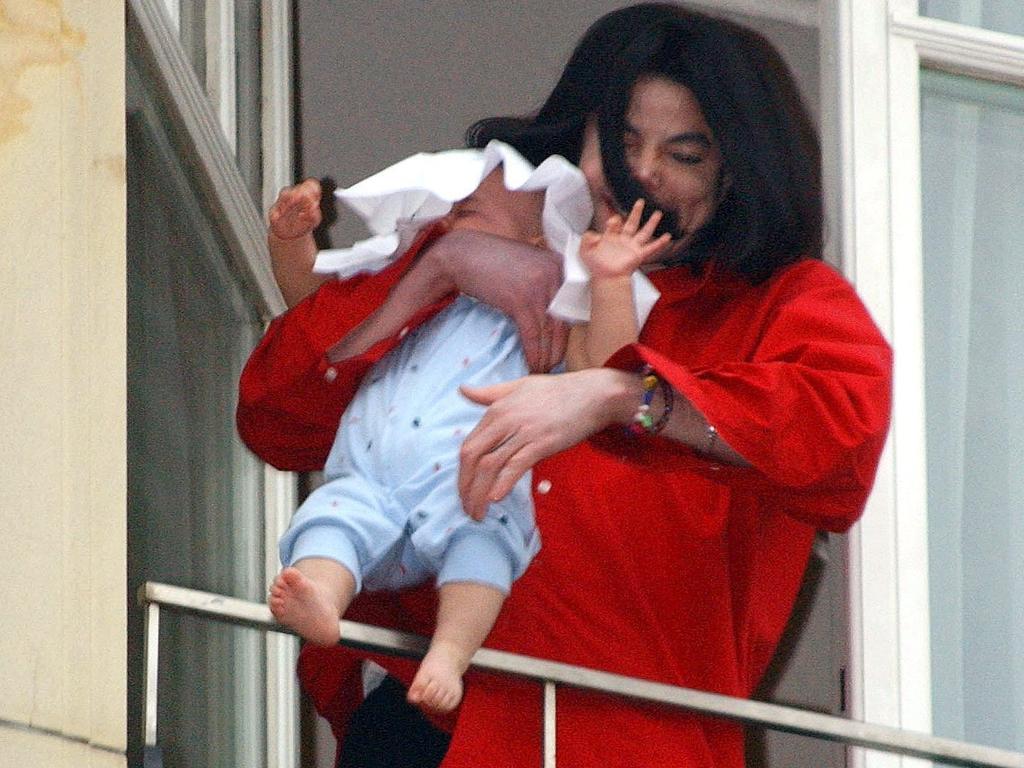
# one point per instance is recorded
(655, 563)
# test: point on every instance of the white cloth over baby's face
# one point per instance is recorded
(399, 201)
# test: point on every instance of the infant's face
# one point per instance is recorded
(499, 211)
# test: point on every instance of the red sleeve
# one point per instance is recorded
(290, 397)
(809, 409)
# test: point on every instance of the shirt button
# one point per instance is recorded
(543, 486)
(330, 374)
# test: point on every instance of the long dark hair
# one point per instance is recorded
(771, 212)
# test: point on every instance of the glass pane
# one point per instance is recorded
(972, 166)
(195, 511)
(193, 35)
(245, 38)
(997, 15)
(249, 104)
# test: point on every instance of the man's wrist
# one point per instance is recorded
(620, 395)
(425, 281)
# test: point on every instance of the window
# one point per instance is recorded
(202, 153)
(971, 134)
(195, 501)
(932, 94)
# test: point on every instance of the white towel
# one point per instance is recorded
(399, 201)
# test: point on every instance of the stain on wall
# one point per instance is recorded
(33, 33)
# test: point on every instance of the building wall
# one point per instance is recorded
(62, 383)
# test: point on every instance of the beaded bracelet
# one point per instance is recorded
(643, 423)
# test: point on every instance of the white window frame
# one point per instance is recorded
(881, 47)
(207, 115)
(280, 487)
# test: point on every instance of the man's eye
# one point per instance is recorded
(684, 158)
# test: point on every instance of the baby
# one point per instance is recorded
(388, 515)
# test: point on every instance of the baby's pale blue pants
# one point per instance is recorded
(389, 510)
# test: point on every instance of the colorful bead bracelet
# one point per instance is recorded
(643, 422)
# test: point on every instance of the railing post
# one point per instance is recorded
(549, 724)
(151, 655)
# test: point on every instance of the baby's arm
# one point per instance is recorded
(477, 213)
(291, 221)
(611, 257)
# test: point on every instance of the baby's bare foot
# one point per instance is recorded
(437, 687)
(302, 604)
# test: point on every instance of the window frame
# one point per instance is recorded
(206, 124)
(882, 48)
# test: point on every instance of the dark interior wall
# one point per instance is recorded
(380, 80)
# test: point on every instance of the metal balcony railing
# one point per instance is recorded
(551, 674)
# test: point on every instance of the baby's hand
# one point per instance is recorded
(623, 246)
(296, 212)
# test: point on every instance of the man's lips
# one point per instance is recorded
(609, 206)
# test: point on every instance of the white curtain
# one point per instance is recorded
(973, 211)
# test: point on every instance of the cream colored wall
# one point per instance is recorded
(62, 383)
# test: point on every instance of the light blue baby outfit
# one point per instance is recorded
(389, 510)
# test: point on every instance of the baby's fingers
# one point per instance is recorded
(300, 198)
(613, 224)
(287, 206)
(648, 250)
(635, 215)
(647, 231)
(309, 190)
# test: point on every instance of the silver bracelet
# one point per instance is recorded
(711, 435)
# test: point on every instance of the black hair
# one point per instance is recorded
(771, 211)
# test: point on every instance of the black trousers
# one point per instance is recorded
(388, 732)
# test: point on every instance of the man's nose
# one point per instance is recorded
(647, 167)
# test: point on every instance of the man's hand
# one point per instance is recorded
(520, 280)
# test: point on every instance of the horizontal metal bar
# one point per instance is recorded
(758, 713)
